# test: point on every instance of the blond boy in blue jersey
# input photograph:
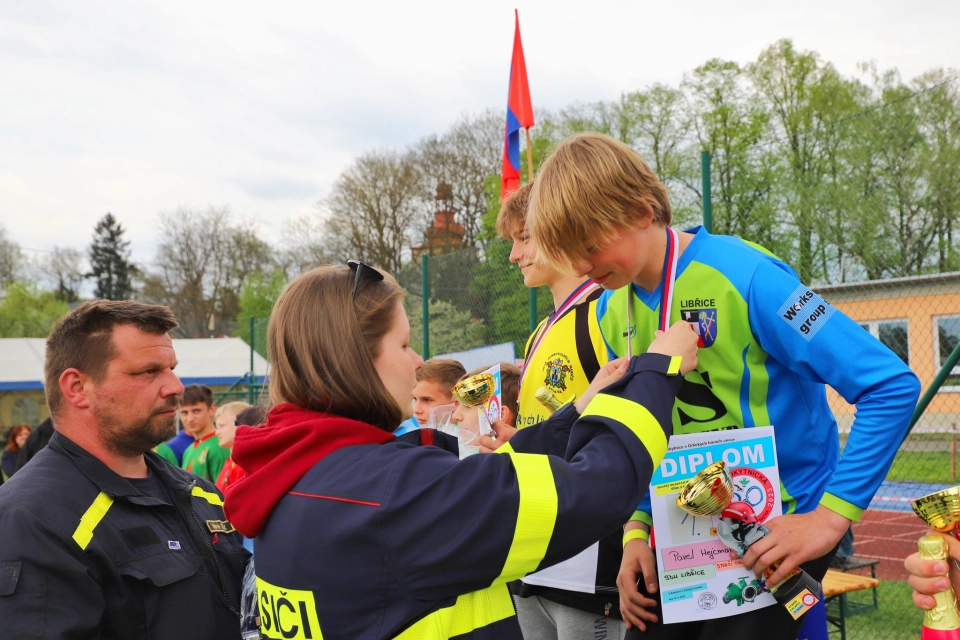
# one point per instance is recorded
(769, 346)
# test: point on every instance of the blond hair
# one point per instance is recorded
(323, 342)
(589, 188)
(233, 408)
(444, 371)
(512, 217)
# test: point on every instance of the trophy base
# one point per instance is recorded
(939, 634)
(798, 593)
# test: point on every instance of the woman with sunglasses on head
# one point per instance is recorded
(360, 536)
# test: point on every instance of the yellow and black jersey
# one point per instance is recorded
(566, 359)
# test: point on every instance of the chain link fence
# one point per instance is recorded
(866, 210)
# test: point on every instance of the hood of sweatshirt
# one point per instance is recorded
(275, 456)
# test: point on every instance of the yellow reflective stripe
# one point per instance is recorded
(91, 518)
(633, 416)
(288, 614)
(472, 611)
(674, 367)
(506, 448)
(536, 515)
(210, 497)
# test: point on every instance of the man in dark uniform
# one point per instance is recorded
(100, 537)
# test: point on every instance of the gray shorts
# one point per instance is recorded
(542, 619)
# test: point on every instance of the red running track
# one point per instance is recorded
(887, 536)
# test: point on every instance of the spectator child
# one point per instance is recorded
(15, 441)
(225, 423)
(435, 379)
(205, 457)
(563, 355)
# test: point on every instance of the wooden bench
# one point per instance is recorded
(852, 564)
(836, 586)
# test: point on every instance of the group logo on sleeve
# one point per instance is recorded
(701, 313)
(806, 311)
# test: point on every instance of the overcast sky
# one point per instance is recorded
(139, 107)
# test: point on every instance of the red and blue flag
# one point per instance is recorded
(519, 114)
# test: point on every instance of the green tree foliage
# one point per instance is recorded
(451, 329)
(29, 312)
(256, 300)
(110, 262)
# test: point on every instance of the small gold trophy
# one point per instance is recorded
(549, 400)
(940, 510)
(710, 493)
(476, 391)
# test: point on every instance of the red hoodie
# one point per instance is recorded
(278, 454)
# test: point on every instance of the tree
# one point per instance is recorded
(256, 300)
(731, 123)
(110, 262)
(451, 328)
(11, 259)
(28, 312)
(203, 260)
(374, 209)
(64, 269)
(464, 157)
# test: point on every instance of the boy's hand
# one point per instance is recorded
(504, 433)
(928, 577)
(610, 373)
(795, 539)
(638, 561)
(678, 340)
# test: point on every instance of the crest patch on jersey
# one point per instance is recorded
(704, 322)
(558, 372)
(806, 311)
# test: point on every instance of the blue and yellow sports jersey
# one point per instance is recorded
(770, 345)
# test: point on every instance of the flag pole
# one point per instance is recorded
(529, 157)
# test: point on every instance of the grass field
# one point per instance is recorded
(894, 619)
(922, 466)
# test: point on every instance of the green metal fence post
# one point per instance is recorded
(707, 200)
(945, 370)
(425, 294)
(533, 309)
(253, 377)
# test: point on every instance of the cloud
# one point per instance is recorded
(137, 108)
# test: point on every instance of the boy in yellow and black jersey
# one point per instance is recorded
(577, 598)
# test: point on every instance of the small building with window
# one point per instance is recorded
(218, 363)
(918, 317)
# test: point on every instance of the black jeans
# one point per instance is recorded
(769, 623)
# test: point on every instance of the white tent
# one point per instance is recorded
(209, 361)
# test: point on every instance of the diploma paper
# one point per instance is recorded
(698, 578)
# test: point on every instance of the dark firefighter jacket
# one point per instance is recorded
(362, 537)
(84, 555)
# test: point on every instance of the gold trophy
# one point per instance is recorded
(549, 400)
(940, 510)
(476, 391)
(710, 493)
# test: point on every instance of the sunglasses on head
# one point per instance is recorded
(362, 271)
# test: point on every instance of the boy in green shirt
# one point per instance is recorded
(205, 457)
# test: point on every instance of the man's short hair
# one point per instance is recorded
(512, 217)
(82, 339)
(195, 393)
(590, 187)
(443, 371)
(509, 385)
